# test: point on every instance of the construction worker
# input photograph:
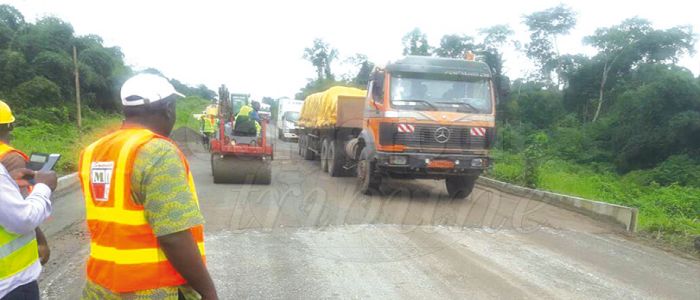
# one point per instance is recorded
(247, 121)
(19, 217)
(147, 239)
(208, 127)
(14, 159)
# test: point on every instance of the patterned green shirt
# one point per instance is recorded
(159, 182)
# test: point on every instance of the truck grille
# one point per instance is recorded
(424, 136)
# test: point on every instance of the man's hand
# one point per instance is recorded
(48, 178)
(22, 176)
(44, 254)
(183, 253)
(44, 251)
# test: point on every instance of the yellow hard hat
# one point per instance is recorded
(6, 116)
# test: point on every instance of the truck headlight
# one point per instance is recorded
(477, 162)
(397, 160)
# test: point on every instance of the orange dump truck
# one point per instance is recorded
(421, 117)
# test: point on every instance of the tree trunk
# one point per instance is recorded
(601, 91)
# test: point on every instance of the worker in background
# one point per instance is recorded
(254, 114)
(208, 127)
(141, 205)
(247, 121)
(14, 159)
(19, 217)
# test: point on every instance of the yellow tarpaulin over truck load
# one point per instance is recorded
(321, 109)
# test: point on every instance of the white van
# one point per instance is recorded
(287, 117)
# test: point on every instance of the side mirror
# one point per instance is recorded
(378, 87)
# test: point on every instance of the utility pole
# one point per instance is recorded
(77, 85)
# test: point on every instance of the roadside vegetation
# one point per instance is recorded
(37, 81)
(186, 108)
(620, 125)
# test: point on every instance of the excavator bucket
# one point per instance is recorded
(241, 169)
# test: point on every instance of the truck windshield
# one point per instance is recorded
(444, 93)
(291, 116)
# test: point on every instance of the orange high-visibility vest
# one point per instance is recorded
(6, 149)
(124, 252)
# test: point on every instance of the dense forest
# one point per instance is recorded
(622, 125)
(37, 80)
(37, 67)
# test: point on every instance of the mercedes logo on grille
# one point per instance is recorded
(442, 135)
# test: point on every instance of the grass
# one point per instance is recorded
(52, 130)
(670, 213)
(188, 106)
(37, 135)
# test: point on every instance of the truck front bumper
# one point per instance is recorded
(427, 165)
(290, 133)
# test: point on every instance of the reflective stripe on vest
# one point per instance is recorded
(124, 255)
(209, 124)
(17, 252)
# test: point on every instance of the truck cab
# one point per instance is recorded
(427, 117)
(288, 112)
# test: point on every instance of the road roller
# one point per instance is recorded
(240, 158)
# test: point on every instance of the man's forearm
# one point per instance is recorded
(43, 245)
(184, 255)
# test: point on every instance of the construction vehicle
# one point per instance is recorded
(239, 157)
(421, 117)
(238, 100)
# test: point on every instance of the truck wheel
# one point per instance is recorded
(308, 154)
(300, 143)
(324, 155)
(336, 160)
(368, 180)
(459, 187)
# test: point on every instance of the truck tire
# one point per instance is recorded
(324, 155)
(459, 187)
(336, 160)
(368, 179)
(308, 154)
(300, 143)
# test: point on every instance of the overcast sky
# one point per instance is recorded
(256, 46)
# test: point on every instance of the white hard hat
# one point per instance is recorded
(146, 88)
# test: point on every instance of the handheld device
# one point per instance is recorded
(42, 162)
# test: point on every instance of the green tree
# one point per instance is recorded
(365, 68)
(494, 38)
(11, 17)
(11, 21)
(540, 108)
(321, 55)
(657, 116)
(455, 46)
(14, 69)
(48, 34)
(57, 67)
(38, 91)
(545, 27)
(634, 41)
(416, 43)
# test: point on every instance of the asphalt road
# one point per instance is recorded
(310, 236)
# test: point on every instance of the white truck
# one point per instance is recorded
(287, 118)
